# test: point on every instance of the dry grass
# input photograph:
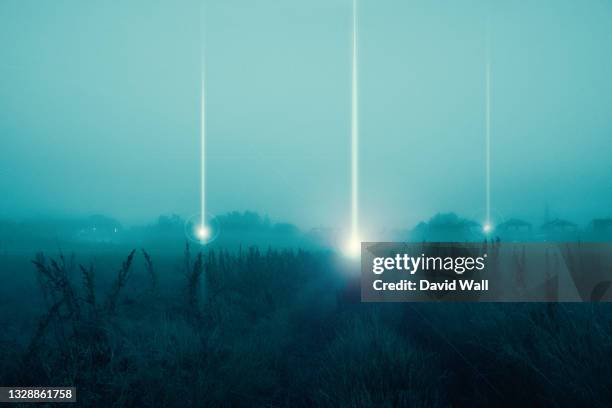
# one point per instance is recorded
(269, 333)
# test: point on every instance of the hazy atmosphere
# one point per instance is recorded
(409, 205)
(99, 109)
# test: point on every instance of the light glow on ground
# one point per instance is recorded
(203, 233)
(352, 248)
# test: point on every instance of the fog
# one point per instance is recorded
(99, 109)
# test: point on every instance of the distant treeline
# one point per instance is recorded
(250, 228)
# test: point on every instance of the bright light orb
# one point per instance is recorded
(487, 228)
(203, 233)
(353, 248)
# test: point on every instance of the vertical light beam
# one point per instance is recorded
(354, 136)
(488, 226)
(202, 230)
(353, 247)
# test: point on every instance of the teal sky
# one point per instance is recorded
(99, 108)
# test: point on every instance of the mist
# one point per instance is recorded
(99, 109)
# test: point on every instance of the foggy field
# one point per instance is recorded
(282, 328)
(190, 188)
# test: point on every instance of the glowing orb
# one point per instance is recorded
(487, 228)
(353, 248)
(203, 232)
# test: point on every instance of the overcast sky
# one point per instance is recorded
(99, 105)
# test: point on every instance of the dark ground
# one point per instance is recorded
(278, 328)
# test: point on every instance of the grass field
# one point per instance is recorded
(281, 328)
